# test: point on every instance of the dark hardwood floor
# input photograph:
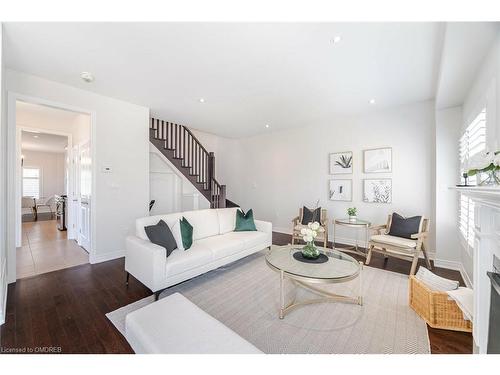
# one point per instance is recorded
(63, 311)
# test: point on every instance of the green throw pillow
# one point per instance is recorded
(244, 222)
(186, 233)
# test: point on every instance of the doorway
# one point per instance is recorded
(54, 189)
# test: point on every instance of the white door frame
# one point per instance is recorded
(14, 168)
(71, 174)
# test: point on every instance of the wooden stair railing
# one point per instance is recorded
(179, 145)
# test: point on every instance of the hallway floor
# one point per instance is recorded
(45, 249)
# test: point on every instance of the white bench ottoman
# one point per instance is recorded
(175, 325)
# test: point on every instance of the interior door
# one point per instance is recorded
(84, 193)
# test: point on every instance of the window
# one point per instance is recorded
(472, 142)
(31, 182)
(466, 220)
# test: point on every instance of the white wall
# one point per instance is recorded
(76, 124)
(52, 165)
(120, 140)
(3, 183)
(484, 92)
(171, 191)
(282, 171)
(227, 161)
(448, 127)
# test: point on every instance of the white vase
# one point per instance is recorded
(353, 218)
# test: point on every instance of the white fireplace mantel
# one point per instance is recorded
(486, 245)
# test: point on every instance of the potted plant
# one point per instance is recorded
(489, 163)
(310, 250)
(351, 211)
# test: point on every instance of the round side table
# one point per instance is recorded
(356, 224)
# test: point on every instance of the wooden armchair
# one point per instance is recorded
(297, 226)
(399, 247)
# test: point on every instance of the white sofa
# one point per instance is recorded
(214, 244)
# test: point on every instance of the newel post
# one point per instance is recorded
(222, 196)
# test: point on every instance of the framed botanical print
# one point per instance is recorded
(340, 190)
(377, 190)
(378, 160)
(341, 162)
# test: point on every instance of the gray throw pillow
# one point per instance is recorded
(161, 235)
(310, 216)
(404, 227)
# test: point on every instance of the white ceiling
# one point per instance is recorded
(43, 142)
(284, 75)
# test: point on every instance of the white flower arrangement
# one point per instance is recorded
(311, 232)
(484, 162)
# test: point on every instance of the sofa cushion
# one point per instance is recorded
(161, 235)
(227, 219)
(181, 261)
(205, 223)
(222, 245)
(249, 239)
(175, 228)
(151, 220)
(395, 241)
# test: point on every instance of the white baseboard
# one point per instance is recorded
(449, 264)
(3, 290)
(99, 258)
(465, 276)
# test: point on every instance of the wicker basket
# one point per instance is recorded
(436, 308)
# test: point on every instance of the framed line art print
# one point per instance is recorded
(340, 190)
(377, 190)
(377, 160)
(341, 162)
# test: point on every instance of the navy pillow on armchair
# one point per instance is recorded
(405, 227)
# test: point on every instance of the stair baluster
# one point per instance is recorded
(182, 148)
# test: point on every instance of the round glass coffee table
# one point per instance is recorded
(339, 268)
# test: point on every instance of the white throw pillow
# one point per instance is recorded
(175, 228)
(436, 282)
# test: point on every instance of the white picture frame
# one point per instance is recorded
(341, 162)
(340, 190)
(377, 190)
(377, 160)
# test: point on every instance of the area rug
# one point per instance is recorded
(244, 296)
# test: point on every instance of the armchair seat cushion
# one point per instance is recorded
(394, 241)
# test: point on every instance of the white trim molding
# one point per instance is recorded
(3, 290)
(93, 259)
(486, 246)
(457, 266)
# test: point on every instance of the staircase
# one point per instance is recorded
(187, 154)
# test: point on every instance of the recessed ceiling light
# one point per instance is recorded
(87, 77)
(372, 101)
(267, 125)
(202, 100)
(336, 39)
(35, 136)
